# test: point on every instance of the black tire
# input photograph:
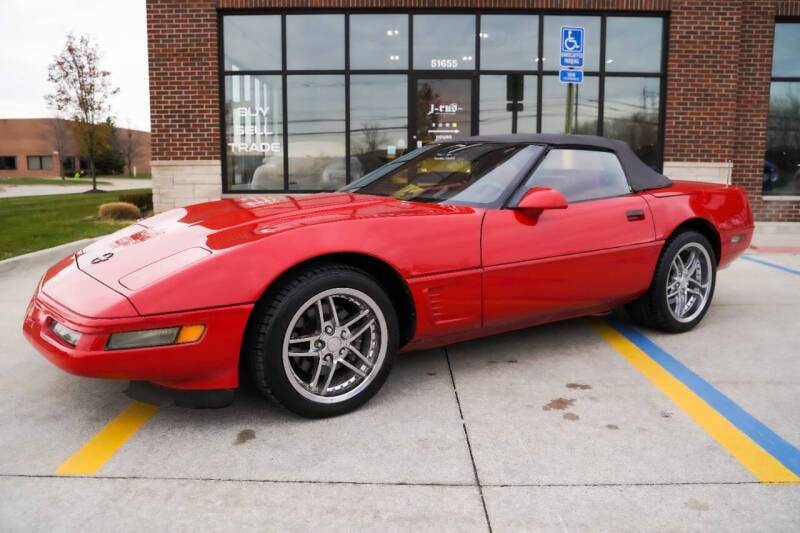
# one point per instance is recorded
(652, 308)
(273, 316)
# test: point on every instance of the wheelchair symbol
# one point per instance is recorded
(572, 40)
(570, 43)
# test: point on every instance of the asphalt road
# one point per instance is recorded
(557, 428)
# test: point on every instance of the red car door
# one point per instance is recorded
(597, 253)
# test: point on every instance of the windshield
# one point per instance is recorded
(468, 173)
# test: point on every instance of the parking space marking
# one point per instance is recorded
(105, 443)
(771, 264)
(765, 454)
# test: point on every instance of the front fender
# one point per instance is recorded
(246, 259)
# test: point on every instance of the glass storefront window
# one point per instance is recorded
(378, 121)
(254, 132)
(569, 108)
(379, 42)
(627, 34)
(552, 38)
(631, 114)
(444, 42)
(782, 160)
(315, 42)
(495, 118)
(345, 95)
(316, 120)
(509, 42)
(252, 42)
(786, 51)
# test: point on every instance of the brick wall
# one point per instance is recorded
(755, 58)
(703, 45)
(717, 88)
(184, 91)
(718, 92)
(23, 137)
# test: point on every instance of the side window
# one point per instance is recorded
(581, 174)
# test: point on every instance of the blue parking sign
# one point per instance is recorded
(571, 60)
(572, 47)
(571, 40)
(570, 76)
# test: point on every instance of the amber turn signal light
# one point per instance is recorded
(190, 334)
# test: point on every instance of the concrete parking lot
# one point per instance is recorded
(587, 424)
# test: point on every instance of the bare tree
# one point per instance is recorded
(131, 146)
(82, 91)
(57, 134)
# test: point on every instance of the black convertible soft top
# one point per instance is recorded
(640, 176)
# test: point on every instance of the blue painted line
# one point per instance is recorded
(770, 441)
(771, 264)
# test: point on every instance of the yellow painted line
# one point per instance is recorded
(761, 464)
(106, 442)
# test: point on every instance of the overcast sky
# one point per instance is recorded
(33, 31)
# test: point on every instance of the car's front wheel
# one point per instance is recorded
(682, 287)
(323, 343)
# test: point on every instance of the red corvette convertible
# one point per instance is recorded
(313, 296)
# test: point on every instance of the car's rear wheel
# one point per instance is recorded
(682, 287)
(323, 343)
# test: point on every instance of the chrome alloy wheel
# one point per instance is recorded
(335, 345)
(689, 282)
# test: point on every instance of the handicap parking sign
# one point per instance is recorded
(572, 47)
(570, 76)
(571, 40)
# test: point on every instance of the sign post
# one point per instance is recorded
(515, 89)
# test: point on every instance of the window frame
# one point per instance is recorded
(412, 74)
(14, 159)
(520, 190)
(779, 79)
(41, 159)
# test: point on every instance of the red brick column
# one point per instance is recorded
(184, 102)
(702, 76)
(184, 87)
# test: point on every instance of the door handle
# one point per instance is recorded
(635, 214)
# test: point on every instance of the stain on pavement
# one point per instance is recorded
(244, 436)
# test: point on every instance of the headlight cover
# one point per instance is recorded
(68, 335)
(149, 338)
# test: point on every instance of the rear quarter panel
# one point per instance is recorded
(725, 207)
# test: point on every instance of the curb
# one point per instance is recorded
(61, 250)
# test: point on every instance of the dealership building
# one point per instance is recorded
(256, 97)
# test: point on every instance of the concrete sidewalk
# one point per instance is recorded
(114, 184)
(545, 429)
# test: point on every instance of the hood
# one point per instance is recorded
(152, 248)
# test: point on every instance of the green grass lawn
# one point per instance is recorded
(33, 223)
(49, 181)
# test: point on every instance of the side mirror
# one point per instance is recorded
(541, 198)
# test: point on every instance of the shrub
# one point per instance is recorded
(119, 211)
(142, 200)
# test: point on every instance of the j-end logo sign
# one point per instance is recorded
(445, 109)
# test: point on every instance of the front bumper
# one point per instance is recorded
(210, 363)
